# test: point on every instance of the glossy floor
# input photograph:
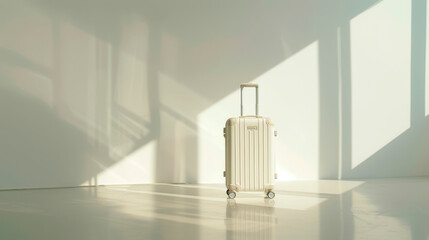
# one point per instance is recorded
(375, 209)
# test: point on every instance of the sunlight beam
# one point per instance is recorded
(289, 94)
(380, 73)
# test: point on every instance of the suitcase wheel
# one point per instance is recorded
(271, 194)
(231, 194)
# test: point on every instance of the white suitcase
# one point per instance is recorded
(249, 152)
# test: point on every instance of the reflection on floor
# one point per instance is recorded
(374, 209)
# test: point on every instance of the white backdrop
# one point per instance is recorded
(106, 92)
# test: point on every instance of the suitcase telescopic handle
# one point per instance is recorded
(243, 85)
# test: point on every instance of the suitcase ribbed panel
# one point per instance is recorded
(249, 156)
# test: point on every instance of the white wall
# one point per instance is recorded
(96, 92)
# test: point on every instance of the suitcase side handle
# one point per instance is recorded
(255, 85)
